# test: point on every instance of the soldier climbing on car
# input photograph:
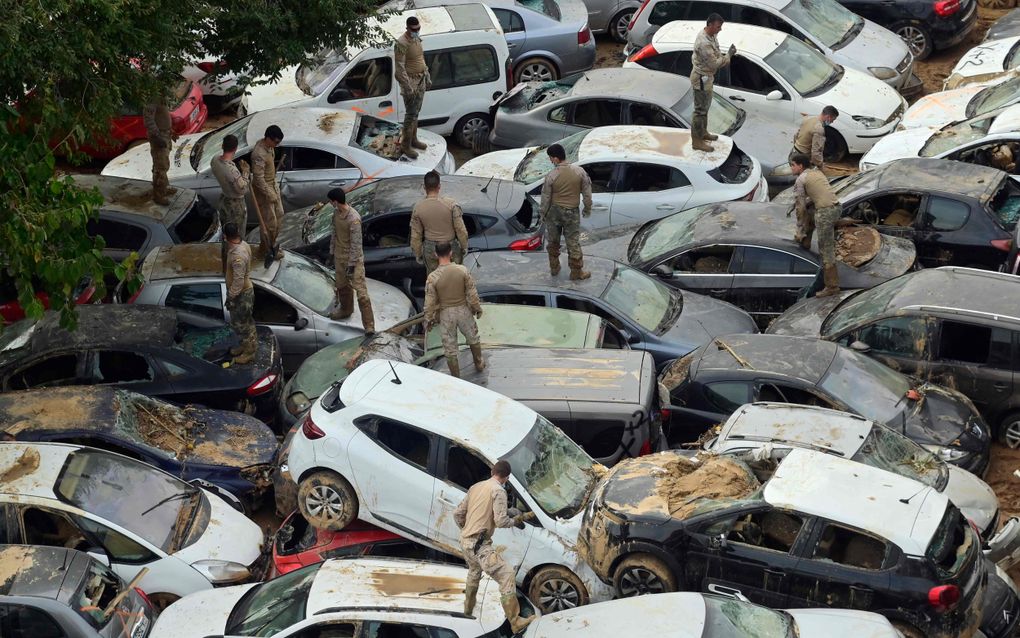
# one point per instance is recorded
(706, 60)
(817, 207)
(451, 300)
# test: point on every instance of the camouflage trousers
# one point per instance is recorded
(271, 208)
(241, 320)
(413, 98)
(825, 222)
(566, 222)
(450, 321)
(699, 121)
(231, 211)
(160, 166)
(428, 253)
(487, 560)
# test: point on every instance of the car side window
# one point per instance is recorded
(851, 548)
(769, 529)
(173, 369)
(377, 629)
(969, 343)
(683, 65)
(313, 159)
(667, 11)
(121, 366)
(583, 305)
(650, 178)
(511, 21)
(8, 532)
(271, 309)
(781, 393)
(650, 115)
(765, 261)
(120, 548)
(28, 622)
(601, 175)
(463, 468)
(707, 260)
(57, 370)
(749, 76)
(728, 395)
(518, 299)
(462, 67)
(759, 17)
(701, 10)
(665, 62)
(945, 214)
(117, 235)
(203, 299)
(389, 231)
(592, 113)
(51, 529)
(371, 78)
(400, 440)
(558, 114)
(903, 336)
(327, 629)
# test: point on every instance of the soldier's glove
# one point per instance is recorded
(733, 50)
(245, 168)
(586, 212)
(428, 80)
(520, 518)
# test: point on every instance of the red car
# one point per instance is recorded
(11, 310)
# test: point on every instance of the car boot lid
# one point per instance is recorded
(820, 623)
(497, 164)
(898, 145)
(136, 162)
(938, 109)
(805, 318)
(200, 614)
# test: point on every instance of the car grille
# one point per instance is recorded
(904, 64)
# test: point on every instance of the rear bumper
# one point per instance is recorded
(947, 33)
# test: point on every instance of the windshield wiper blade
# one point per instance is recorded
(173, 497)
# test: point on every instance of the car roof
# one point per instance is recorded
(134, 197)
(89, 407)
(197, 260)
(818, 427)
(502, 196)
(748, 38)
(649, 143)
(1007, 121)
(46, 572)
(31, 469)
(531, 271)
(888, 505)
(931, 174)
(799, 357)
(305, 125)
(748, 222)
(468, 16)
(952, 287)
(675, 614)
(632, 83)
(447, 406)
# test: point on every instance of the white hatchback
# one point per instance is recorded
(973, 100)
(398, 446)
(993, 60)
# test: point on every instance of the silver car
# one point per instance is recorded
(545, 112)
(293, 297)
(612, 17)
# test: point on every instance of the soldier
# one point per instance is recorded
(413, 77)
(267, 191)
(159, 129)
(817, 207)
(349, 262)
(233, 185)
(437, 219)
(240, 294)
(564, 186)
(478, 515)
(450, 300)
(810, 137)
(706, 60)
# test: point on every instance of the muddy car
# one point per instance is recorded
(48, 591)
(230, 450)
(813, 531)
(711, 383)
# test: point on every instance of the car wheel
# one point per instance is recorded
(918, 39)
(1009, 430)
(908, 630)
(835, 146)
(620, 25)
(640, 574)
(327, 501)
(555, 588)
(162, 601)
(480, 145)
(533, 69)
(997, 4)
(469, 126)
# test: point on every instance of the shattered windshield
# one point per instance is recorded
(536, 164)
(728, 617)
(211, 144)
(273, 606)
(653, 305)
(803, 67)
(154, 423)
(210, 344)
(954, 135)
(829, 21)
(895, 453)
(862, 307)
(320, 225)
(306, 281)
(316, 75)
(870, 389)
(545, 7)
(669, 233)
(553, 470)
(97, 591)
(994, 97)
(379, 137)
(1006, 204)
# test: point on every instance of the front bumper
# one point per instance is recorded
(1004, 548)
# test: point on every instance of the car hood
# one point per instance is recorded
(938, 109)
(704, 318)
(822, 623)
(765, 139)
(283, 91)
(200, 614)
(498, 164)
(229, 535)
(982, 60)
(873, 46)
(943, 416)
(136, 163)
(229, 439)
(973, 496)
(291, 233)
(845, 95)
(804, 318)
(897, 145)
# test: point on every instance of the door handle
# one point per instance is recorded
(600, 208)
(339, 182)
(718, 291)
(395, 258)
(385, 104)
(664, 207)
(511, 45)
(737, 98)
(1001, 385)
(443, 499)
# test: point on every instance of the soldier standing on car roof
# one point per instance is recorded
(349, 262)
(159, 130)
(437, 220)
(810, 137)
(267, 191)
(233, 185)
(564, 186)
(413, 77)
(240, 294)
(484, 509)
(451, 300)
(817, 207)
(706, 60)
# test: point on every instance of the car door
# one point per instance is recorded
(747, 82)
(19, 620)
(391, 464)
(707, 270)
(767, 281)
(976, 359)
(603, 183)
(368, 87)
(48, 371)
(646, 191)
(458, 75)
(513, 30)
(387, 240)
(295, 326)
(894, 213)
(309, 173)
(936, 236)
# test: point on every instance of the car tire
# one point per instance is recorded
(555, 588)
(620, 25)
(327, 501)
(481, 145)
(908, 630)
(535, 69)
(835, 146)
(161, 601)
(469, 126)
(1008, 432)
(997, 4)
(640, 574)
(917, 38)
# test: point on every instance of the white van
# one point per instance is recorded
(467, 57)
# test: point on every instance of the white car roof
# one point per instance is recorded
(841, 432)
(634, 82)
(860, 496)
(450, 407)
(757, 41)
(677, 615)
(664, 144)
(304, 124)
(31, 469)
(1007, 121)
(987, 57)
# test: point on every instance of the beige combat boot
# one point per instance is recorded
(454, 366)
(476, 354)
(554, 263)
(831, 278)
(512, 609)
(344, 304)
(415, 142)
(577, 271)
(405, 143)
(470, 594)
(367, 317)
(247, 355)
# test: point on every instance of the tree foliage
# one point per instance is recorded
(69, 66)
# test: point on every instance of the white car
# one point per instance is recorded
(127, 514)
(398, 446)
(384, 597)
(974, 100)
(638, 173)
(220, 90)
(780, 77)
(974, 141)
(322, 148)
(993, 60)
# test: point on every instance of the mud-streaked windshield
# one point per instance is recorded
(320, 224)
(994, 97)
(645, 300)
(553, 469)
(805, 68)
(211, 144)
(16, 335)
(316, 75)
(862, 307)
(955, 135)
(728, 617)
(273, 606)
(893, 452)
(536, 164)
(306, 281)
(829, 21)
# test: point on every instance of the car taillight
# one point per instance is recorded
(946, 8)
(665, 414)
(531, 243)
(209, 67)
(132, 298)
(633, 20)
(583, 36)
(1004, 245)
(645, 52)
(646, 449)
(944, 597)
(143, 596)
(310, 430)
(263, 385)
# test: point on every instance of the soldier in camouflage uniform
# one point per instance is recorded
(159, 129)
(413, 77)
(564, 186)
(240, 294)
(706, 60)
(810, 137)
(817, 207)
(233, 186)
(436, 220)
(349, 262)
(267, 191)
(451, 299)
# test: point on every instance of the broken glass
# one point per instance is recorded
(536, 164)
(554, 470)
(895, 453)
(726, 617)
(306, 282)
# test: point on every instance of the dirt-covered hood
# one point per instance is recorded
(804, 318)
(704, 318)
(229, 439)
(938, 109)
(136, 163)
(498, 164)
(973, 496)
(895, 256)
(201, 614)
(897, 145)
(942, 416)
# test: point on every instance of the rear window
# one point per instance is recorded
(545, 7)
(197, 224)
(951, 544)
(677, 373)
(1006, 204)
(470, 17)
(735, 170)
(379, 137)
(98, 590)
(526, 219)
(211, 344)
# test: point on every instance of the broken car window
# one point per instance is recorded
(903, 336)
(829, 21)
(1006, 204)
(536, 164)
(728, 617)
(952, 543)
(99, 587)
(316, 76)
(554, 470)
(847, 547)
(319, 224)
(954, 135)
(273, 606)
(306, 281)
(893, 452)
(651, 304)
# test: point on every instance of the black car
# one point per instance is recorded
(956, 213)
(815, 531)
(925, 25)
(156, 351)
(498, 215)
(708, 385)
(1008, 26)
(744, 253)
(651, 316)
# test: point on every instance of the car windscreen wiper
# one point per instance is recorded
(172, 497)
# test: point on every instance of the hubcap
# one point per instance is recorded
(557, 594)
(324, 503)
(622, 24)
(639, 581)
(1013, 434)
(914, 38)
(536, 71)
(472, 128)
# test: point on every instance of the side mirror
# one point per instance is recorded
(663, 271)
(301, 323)
(860, 346)
(774, 95)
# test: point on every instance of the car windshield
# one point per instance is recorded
(728, 617)
(307, 282)
(723, 117)
(862, 306)
(653, 305)
(954, 135)
(994, 97)
(893, 452)
(149, 503)
(870, 389)
(805, 68)
(16, 335)
(829, 21)
(536, 164)
(315, 76)
(211, 144)
(669, 233)
(553, 470)
(274, 605)
(320, 224)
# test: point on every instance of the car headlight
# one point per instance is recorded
(221, 572)
(866, 165)
(868, 122)
(298, 403)
(946, 453)
(882, 72)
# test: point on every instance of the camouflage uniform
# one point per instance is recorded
(435, 220)
(349, 262)
(241, 299)
(817, 206)
(232, 209)
(706, 60)
(267, 194)
(413, 77)
(159, 129)
(810, 140)
(563, 187)
(451, 299)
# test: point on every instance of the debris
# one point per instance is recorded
(743, 362)
(857, 245)
(328, 122)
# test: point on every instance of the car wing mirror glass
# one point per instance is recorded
(340, 94)
(301, 323)
(718, 541)
(774, 95)
(860, 346)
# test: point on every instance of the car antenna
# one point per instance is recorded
(395, 379)
(906, 501)
(485, 189)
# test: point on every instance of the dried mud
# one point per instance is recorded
(856, 246)
(24, 465)
(390, 583)
(56, 409)
(1006, 486)
(13, 560)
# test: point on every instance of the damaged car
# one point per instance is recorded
(989, 61)
(813, 530)
(230, 450)
(937, 110)
(130, 514)
(711, 383)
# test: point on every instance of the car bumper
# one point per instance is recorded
(1004, 548)
(582, 59)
